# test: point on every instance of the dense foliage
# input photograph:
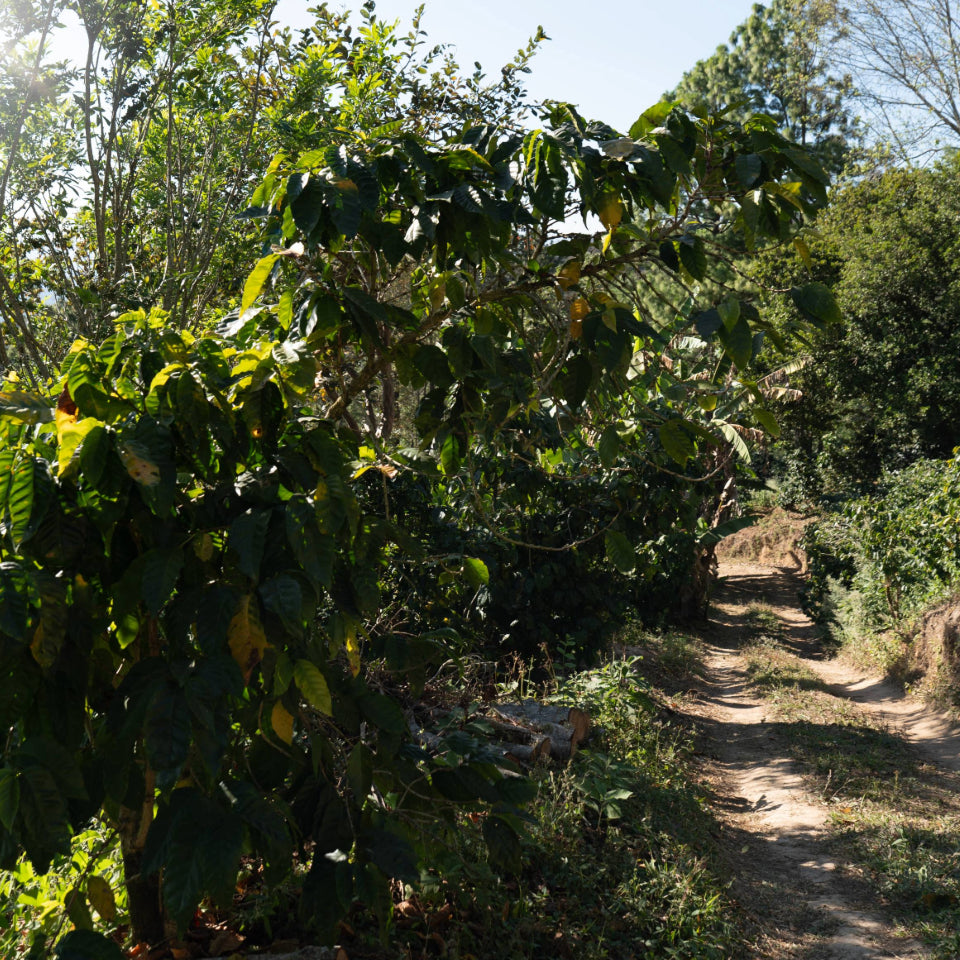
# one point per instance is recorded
(880, 391)
(885, 556)
(231, 553)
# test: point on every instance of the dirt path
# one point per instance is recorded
(808, 906)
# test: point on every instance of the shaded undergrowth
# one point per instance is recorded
(616, 860)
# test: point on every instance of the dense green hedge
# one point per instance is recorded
(884, 556)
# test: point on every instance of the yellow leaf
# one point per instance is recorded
(101, 898)
(143, 471)
(610, 211)
(352, 646)
(64, 420)
(246, 637)
(70, 434)
(36, 645)
(569, 274)
(579, 309)
(282, 722)
(804, 251)
(203, 546)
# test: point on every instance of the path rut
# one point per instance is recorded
(807, 905)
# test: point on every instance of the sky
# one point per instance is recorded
(613, 58)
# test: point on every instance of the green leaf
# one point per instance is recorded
(749, 169)
(77, 909)
(729, 312)
(577, 380)
(609, 446)
(677, 440)
(668, 255)
(327, 894)
(391, 853)
(733, 437)
(97, 447)
(620, 551)
(476, 572)
(693, 256)
(383, 712)
(451, 785)
(146, 450)
(313, 685)
(805, 163)
(738, 342)
(18, 406)
(314, 550)
(450, 455)
(817, 302)
(20, 502)
(256, 280)
(516, 790)
(161, 570)
(708, 323)
(101, 898)
(9, 796)
(270, 834)
(651, 118)
(503, 844)
(247, 539)
(43, 813)
(282, 596)
(87, 945)
(432, 363)
(768, 421)
(167, 730)
(717, 533)
(360, 771)
(197, 842)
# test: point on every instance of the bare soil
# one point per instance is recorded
(805, 903)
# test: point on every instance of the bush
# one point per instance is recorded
(881, 557)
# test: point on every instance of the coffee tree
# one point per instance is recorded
(201, 533)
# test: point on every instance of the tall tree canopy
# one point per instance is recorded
(122, 176)
(881, 390)
(778, 62)
(905, 56)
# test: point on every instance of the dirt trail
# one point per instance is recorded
(808, 906)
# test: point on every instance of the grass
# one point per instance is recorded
(891, 815)
(668, 659)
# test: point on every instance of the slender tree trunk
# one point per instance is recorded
(143, 890)
(143, 896)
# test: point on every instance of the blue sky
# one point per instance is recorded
(613, 58)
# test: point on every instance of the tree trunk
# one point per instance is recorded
(143, 891)
(143, 897)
